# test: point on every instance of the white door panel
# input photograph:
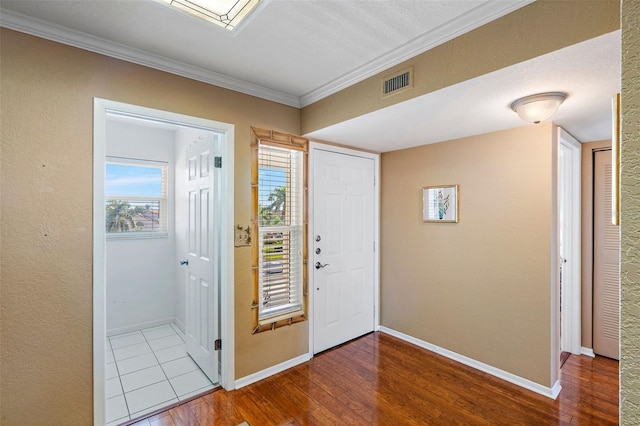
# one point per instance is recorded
(344, 210)
(201, 311)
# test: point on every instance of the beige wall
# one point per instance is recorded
(45, 255)
(630, 218)
(587, 239)
(541, 27)
(480, 287)
(46, 245)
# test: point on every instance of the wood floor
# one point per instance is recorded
(381, 380)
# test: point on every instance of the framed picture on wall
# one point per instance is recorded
(440, 203)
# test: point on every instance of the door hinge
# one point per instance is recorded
(217, 345)
(217, 162)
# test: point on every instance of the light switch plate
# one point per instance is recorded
(242, 237)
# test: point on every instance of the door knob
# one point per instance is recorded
(318, 238)
(184, 262)
(320, 265)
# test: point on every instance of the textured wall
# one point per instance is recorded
(46, 208)
(479, 287)
(630, 215)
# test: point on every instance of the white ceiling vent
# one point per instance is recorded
(398, 82)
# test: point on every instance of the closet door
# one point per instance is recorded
(606, 263)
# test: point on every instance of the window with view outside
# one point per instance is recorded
(280, 229)
(136, 198)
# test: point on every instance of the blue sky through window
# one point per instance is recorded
(122, 179)
(270, 179)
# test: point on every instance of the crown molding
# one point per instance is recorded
(486, 12)
(464, 23)
(22, 23)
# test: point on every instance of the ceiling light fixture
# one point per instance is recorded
(225, 13)
(539, 107)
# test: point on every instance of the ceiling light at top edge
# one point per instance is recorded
(225, 13)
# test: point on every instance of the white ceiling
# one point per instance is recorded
(589, 72)
(298, 51)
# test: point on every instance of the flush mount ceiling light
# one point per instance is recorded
(225, 13)
(539, 107)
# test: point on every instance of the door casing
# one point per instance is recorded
(314, 147)
(101, 109)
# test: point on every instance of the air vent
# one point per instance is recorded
(398, 82)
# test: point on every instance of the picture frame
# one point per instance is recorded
(440, 203)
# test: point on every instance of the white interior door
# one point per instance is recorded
(569, 213)
(202, 285)
(343, 248)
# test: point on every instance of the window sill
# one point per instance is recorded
(136, 235)
(281, 317)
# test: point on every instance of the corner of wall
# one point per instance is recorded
(629, 218)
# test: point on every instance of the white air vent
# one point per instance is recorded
(398, 82)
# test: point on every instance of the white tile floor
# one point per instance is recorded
(147, 370)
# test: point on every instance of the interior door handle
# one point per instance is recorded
(320, 265)
(184, 262)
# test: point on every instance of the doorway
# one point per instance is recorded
(162, 224)
(343, 244)
(569, 225)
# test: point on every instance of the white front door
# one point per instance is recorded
(201, 311)
(342, 248)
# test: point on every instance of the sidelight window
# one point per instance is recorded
(280, 228)
(280, 203)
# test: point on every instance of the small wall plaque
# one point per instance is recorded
(440, 203)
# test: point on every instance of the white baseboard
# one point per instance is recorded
(267, 372)
(587, 352)
(555, 390)
(139, 326)
(179, 323)
(501, 374)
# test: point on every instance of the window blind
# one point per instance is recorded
(280, 232)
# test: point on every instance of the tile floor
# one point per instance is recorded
(147, 370)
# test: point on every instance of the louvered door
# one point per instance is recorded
(606, 264)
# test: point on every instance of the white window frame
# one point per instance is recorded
(163, 200)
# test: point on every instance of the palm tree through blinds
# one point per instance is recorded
(280, 229)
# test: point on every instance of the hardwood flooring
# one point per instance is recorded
(381, 380)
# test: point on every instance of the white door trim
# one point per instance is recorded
(101, 108)
(313, 148)
(571, 313)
